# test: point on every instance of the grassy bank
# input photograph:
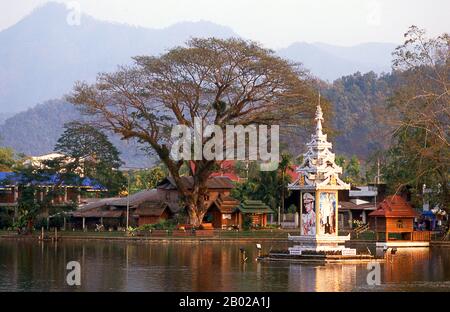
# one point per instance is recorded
(266, 234)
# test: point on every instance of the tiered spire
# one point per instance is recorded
(319, 169)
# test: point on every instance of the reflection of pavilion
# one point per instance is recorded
(318, 183)
(322, 278)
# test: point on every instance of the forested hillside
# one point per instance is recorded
(36, 131)
(356, 102)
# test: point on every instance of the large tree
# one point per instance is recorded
(87, 148)
(419, 114)
(222, 82)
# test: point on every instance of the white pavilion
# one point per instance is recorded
(318, 182)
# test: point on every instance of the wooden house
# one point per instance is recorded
(54, 188)
(223, 213)
(153, 212)
(151, 206)
(255, 211)
(394, 219)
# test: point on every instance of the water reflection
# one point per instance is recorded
(203, 266)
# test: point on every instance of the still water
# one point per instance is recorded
(204, 266)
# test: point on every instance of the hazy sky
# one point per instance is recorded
(275, 23)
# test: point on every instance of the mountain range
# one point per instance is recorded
(42, 56)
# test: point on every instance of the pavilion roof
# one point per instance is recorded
(227, 204)
(394, 206)
(254, 206)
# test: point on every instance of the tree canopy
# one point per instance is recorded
(7, 158)
(222, 82)
(419, 114)
(87, 149)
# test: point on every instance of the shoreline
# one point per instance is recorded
(153, 239)
(187, 239)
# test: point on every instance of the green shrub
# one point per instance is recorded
(161, 225)
(6, 220)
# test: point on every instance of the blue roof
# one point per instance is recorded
(428, 213)
(12, 178)
(8, 178)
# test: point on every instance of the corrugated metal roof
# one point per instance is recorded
(154, 209)
(147, 202)
(138, 198)
(97, 203)
(97, 213)
(345, 205)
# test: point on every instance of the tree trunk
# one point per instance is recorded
(195, 215)
(282, 193)
(29, 228)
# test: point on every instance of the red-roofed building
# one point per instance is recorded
(395, 216)
(226, 169)
(292, 172)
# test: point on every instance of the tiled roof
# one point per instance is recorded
(227, 204)
(212, 183)
(394, 206)
(230, 175)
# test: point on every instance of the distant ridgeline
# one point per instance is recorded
(35, 132)
(355, 99)
(79, 53)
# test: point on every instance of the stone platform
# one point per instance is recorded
(320, 243)
(320, 259)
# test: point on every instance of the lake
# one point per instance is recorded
(204, 266)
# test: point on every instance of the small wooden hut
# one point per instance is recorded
(222, 214)
(256, 211)
(395, 216)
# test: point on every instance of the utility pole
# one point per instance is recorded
(378, 171)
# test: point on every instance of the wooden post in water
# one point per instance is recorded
(42, 233)
(56, 233)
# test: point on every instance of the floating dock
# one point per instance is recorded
(320, 258)
(401, 244)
